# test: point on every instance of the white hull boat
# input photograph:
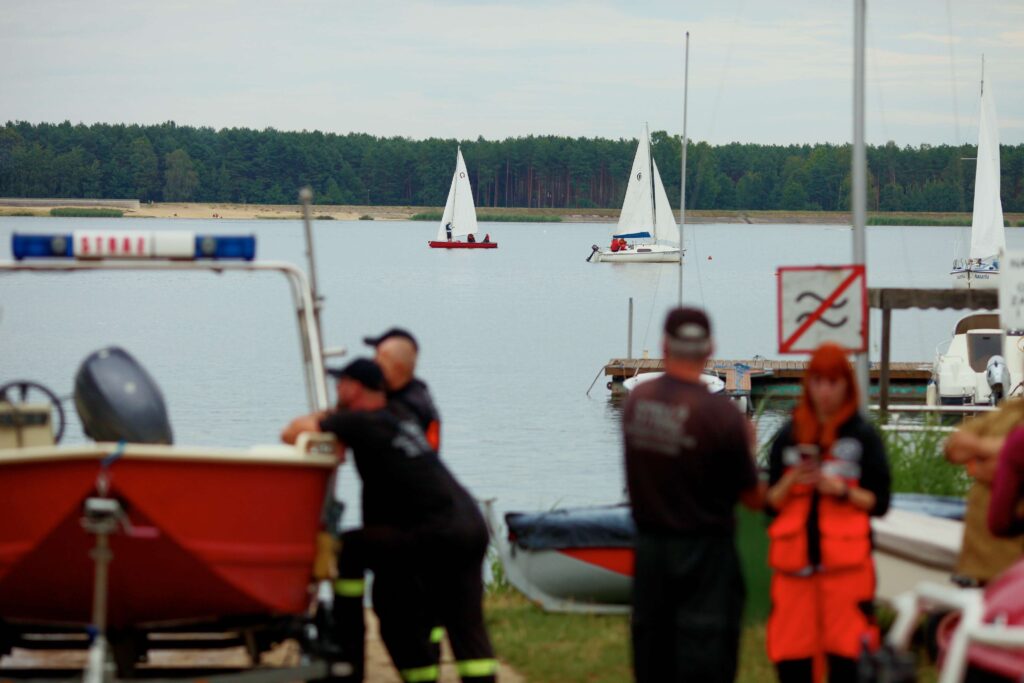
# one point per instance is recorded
(714, 383)
(647, 231)
(981, 366)
(988, 239)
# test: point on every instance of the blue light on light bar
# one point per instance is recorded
(134, 244)
(214, 247)
(632, 235)
(41, 246)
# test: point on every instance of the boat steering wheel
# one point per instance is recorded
(23, 388)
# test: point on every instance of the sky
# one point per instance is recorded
(763, 71)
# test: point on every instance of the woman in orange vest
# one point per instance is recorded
(827, 475)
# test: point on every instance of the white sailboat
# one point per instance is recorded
(988, 241)
(646, 216)
(458, 228)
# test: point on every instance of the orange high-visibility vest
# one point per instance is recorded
(844, 528)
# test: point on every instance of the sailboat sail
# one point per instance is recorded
(987, 235)
(665, 229)
(644, 215)
(459, 210)
(635, 219)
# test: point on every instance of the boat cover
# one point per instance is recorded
(593, 527)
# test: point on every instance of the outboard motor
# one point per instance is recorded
(118, 400)
(998, 377)
(593, 250)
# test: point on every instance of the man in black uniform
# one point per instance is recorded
(423, 535)
(396, 354)
(688, 460)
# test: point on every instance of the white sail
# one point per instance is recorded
(459, 210)
(665, 228)
(987, 234)
(637, 215)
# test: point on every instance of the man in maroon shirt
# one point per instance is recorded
(688, 461)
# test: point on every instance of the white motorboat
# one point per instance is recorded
(646, 232)
(982, 364)
(988, 241)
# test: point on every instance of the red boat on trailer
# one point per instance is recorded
(132, 533)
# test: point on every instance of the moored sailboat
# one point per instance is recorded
(646, 231)
(988, 241)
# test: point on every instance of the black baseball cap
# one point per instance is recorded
(688, 331)
(393, 332)
(362, 370)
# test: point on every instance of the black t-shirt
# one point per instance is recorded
(415, 397)
(405, 484)
(862, 455)
(687, 458)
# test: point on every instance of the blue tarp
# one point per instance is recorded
(595, 527)
(611, 526)
(633, 235)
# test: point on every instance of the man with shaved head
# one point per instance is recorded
(397, 352)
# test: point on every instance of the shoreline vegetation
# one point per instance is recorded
(192, 210)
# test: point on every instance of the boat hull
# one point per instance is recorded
(967, 278)
(653, 253)
(558, 560)
(462, 245)
(226, 535)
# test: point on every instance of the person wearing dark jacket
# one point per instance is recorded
(396, 352)
(688, 462)
(828, 475)
(423, 536)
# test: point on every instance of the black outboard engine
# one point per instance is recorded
(118, 400)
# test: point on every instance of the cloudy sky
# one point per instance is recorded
(768, 71)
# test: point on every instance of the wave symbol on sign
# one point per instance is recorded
(822, 319)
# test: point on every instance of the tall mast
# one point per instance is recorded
(682, 174)
(650, 175)
(859, 173)
(455, 185)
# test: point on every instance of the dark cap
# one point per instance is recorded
(688, 332)
(393, 332)
(362, 370)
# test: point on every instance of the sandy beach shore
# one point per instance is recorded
(228, 211)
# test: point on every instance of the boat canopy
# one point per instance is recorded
(596, 527)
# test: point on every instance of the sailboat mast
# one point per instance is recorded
(455, 185)
(650, 176)
(682, 174)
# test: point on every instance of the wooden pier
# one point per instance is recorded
(763, 377)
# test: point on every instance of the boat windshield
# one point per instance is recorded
(981, 346)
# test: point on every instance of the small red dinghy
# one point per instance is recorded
(458, 228)
(462, 245)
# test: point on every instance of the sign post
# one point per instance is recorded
(819, 304)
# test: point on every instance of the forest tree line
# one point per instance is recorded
(168, 162)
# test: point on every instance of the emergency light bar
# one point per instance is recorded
(134, 244)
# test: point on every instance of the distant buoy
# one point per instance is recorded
(709, 258)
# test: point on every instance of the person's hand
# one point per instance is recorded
(833, 486)
(961, 447)
(807, 472)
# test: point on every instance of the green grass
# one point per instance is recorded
(492, 218)
(21, 212)
(918, 466)
(366, 217)
(83, 212)
(914, 220)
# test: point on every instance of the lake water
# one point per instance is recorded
(510, 338)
